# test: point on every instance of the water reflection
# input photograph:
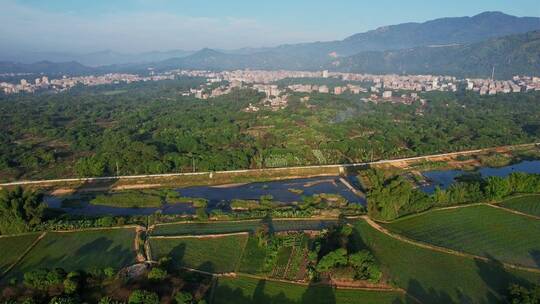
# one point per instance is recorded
(283, 191)
(445, 178)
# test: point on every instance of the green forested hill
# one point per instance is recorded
(510, 55)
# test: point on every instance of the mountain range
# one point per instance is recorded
(463, 46)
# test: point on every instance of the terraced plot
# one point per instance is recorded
(529, 204)
(238, 226)
(435, 277)
(479, 230)
(84, 250)
(212, 254)
(282, 261)
(13, 247)
(243, 290)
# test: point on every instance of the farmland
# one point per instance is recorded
(238, 226)
(253, 257)
(13, 247)
(529, 204)
(499, 234)
(242, 290)
(435, 277)
(84, 250)
(212, 254)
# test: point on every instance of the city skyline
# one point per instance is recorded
(142, 26)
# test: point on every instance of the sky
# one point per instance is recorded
(132, 26)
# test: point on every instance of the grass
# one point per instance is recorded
(139, 198)
(480, 230)
(243, 290)
(208, 254)
(435, 277)
(128, 200)
(85, 250)
(239, 226)
(529, 204)
(13, 247)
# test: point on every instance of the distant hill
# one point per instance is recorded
(47, 67)
(510, 55)
(443, 31)
(94, 59)
(464, 46)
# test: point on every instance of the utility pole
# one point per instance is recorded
(493, 74)
(117, 169)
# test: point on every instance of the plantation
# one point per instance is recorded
(435, 277)
(212, 254)
(529, 204)
(86, 250)
(247, 290)
(239, 226)
(205, 228)
(479, 230)
(13, 247)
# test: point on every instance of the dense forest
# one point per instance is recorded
(152, 128)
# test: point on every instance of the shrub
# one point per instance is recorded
(183, 298)
(109, 272)
(143, 297)
(157, 274)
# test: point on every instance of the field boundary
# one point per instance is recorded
(429, 246)
(24, 254)
(498, 206)
(199, 236)
(317, 218)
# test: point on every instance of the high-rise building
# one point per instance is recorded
(24, 82)
(325, 74)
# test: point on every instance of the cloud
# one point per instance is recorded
(39, 30)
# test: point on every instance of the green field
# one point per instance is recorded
(529, 204)
(480, 230)
(220, 254)
(253, 257)
(239, 226)
(435, 277)
(86, 250)
(13, 247)
(243, 290)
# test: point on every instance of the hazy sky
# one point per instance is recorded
(145, 25)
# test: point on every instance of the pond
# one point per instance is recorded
(445, 178)
(282, 191)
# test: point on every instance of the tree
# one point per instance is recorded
(522, 295)
(143, 297)
(20, 210)
(333, 259)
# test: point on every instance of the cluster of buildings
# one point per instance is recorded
(65, 83)
(220, 83)
(492, 87)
